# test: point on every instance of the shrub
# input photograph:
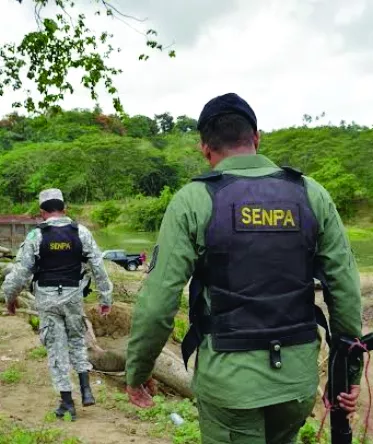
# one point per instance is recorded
(106, 214)
(146, 213)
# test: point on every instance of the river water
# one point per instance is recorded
(121, 239)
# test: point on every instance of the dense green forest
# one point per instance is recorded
(93, 157)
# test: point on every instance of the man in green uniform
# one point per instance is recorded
(252, 236)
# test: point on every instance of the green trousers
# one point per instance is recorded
(276, 424)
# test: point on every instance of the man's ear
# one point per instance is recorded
(256, 140)
(205, 151)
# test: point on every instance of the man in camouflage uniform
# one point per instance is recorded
(55, 254)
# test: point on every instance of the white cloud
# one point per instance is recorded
(350, 13)
(281, 57)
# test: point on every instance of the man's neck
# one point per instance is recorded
(241, 151)
(56, 214)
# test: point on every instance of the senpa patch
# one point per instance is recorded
(60, 246)
(269, 216)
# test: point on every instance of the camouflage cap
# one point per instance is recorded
(52, 193)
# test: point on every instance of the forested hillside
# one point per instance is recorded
(93, 158)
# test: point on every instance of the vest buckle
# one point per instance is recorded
(275, 354)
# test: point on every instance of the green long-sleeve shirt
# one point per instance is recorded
(238, 380)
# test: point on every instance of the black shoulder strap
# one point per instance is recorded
(43, 226)
(210, 176)
(74, 225)
(216, 180)
(292, 174)
(292, 171)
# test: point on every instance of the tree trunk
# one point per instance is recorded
(169, 368)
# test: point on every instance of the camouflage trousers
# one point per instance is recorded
(62, 331)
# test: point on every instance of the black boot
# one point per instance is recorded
(87, 396)
(66, 406)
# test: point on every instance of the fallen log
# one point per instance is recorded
(23, 311)
(169, 368)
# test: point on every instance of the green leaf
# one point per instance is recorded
(61, 44)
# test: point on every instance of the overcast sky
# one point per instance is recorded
(285, 57)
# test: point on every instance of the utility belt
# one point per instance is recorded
(249, 341)
(62, 283)
(59, 283)
(255, 340)
(68, 283)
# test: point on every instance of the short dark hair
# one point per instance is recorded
(227, 131)
(52, 206)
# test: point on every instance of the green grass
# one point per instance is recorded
(180, 329)
(358, 233)
(37, 353)
(34, 321)
(362, 246)
(11, 433)
(158, 416)
(12, 375)
(50, 417)
(308, 434)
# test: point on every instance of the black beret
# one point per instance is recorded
(229, 103)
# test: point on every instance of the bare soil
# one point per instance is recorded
(29, 400)
(116, 325)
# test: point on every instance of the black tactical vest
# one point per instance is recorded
(61, 256)
(258, 267)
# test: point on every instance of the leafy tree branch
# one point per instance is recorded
(62, 44)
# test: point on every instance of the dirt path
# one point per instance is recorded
(29, 400)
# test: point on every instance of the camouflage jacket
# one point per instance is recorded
(46, 297)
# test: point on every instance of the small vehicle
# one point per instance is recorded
(130, 262)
